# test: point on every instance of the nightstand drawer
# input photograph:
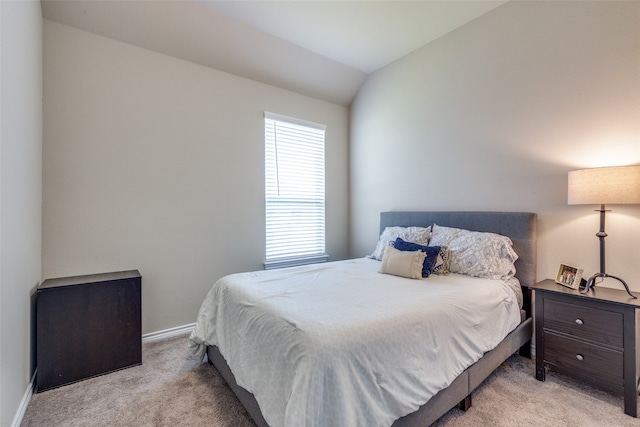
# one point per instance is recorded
(601, 326)
(592, 363)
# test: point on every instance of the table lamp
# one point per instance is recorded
(601, 186)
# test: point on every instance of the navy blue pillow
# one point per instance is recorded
(431, 251)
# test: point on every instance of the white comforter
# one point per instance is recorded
(339, 344)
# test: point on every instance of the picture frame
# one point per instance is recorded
(569, 276)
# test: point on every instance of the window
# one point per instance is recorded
(294, 191)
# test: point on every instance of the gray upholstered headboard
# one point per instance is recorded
(520, 227)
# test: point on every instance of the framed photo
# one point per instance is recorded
(569, 276)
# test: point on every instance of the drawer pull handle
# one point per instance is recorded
(580, 357)
(579, 322)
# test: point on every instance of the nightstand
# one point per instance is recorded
(591, 337)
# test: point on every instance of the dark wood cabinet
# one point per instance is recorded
(592, 337)
(87, 326)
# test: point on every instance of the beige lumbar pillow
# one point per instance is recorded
(402, 263)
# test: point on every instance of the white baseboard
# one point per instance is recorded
(26, 398)
(159, 335)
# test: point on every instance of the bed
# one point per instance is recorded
(406, 385)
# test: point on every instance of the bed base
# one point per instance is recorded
(457, 394)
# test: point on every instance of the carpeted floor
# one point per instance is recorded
(171, 388)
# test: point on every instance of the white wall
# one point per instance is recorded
(493, 116)
(20, 194)
(155, 163)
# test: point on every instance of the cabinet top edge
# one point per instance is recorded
(596, 293)
(89, 278)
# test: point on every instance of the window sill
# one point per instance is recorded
(292, 262)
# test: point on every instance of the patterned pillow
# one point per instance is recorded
(431, 252)
(418, 235)
(443, 261)
(475, 253)
(402, 263)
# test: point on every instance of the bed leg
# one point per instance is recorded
(465, 404)
(525, 350)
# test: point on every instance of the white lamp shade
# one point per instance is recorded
(603, 186)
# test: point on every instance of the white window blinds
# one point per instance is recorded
(294, 191)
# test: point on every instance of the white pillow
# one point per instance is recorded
(474, 253)
(419, 235)
(402, 263)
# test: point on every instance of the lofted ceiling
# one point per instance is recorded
(324, 49)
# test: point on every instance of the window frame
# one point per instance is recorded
(313, 129)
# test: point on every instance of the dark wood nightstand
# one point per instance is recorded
(591, 337)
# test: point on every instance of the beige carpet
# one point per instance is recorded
(171, 388)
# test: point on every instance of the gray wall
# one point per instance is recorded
(20, 194)
(493, 116)
(155, 163)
